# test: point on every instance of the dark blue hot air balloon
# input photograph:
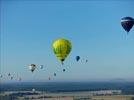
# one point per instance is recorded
(9, 74)
(77, 58)
(127, 23)
(1, 76)
(64, 70)
(54, 74)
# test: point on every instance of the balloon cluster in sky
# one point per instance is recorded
(62, 48)
(11, 77)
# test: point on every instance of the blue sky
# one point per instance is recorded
(29, 27)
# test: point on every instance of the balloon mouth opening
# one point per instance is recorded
(62, 60)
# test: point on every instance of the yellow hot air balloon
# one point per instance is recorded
(62, 48)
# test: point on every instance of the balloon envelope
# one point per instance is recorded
(32, 67)
(41, 66)
(11, 77)
(77, 58)
(127, 23)
(54, 74)
(62, 48)
(20, 79)
(9, 74)
(64, 70)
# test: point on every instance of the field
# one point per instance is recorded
(26, 95)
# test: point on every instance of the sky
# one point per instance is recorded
(29, 27)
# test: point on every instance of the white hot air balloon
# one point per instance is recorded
(32, 67)
(41, 66)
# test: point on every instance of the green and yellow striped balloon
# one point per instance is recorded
(62, 48)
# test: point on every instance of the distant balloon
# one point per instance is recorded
(127, 23)
(86, 60)
(41, 66)
(32, 67)
(54, 74)
(77, 58)
(49, 78)
(20, 79)
(11, 77)
(9, 74)
(64, 70)
(62, 48)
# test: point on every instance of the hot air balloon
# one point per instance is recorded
(64, 70)
(19, 79)
(49, 78)
(62, 48)
(127, 23)
(1, 76)
(77, 58)
(32, 67)
(41, 66)
(11, 77)
(54, 74)
(9, 74)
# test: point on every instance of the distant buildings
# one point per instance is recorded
(106, 92)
